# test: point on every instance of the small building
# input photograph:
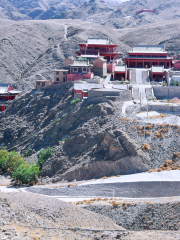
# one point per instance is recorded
(81, 89)
(67, 61)
(43, 83)
(80, 69)
(7, 93)
(100, 67)
(120, 72)
(60, 75)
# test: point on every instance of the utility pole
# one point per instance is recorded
(144, 132)
(147, 108)
(120, 101)
(140, 101)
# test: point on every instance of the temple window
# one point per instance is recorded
(38, 83)
(64, 73)
(84, 69)
(57, 73)
(57, 79)
(43, 84)
(103, 48)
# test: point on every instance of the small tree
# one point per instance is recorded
(122, 80)
(176, 83)
(26, 173)
(28, 152)
(172, 82)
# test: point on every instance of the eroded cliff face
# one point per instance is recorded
(95, 155)
(82, 136)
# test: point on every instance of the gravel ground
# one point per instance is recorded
(30, 216)
(127, 190)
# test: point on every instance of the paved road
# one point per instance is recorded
(126, 190)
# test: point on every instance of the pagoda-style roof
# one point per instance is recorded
(99, 41)
(148, 49)
(81, 63)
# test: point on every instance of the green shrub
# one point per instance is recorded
(22, 172)
(75, 101)
(172, 82)
(28, 152)
(90, 106)
(9, 160)
(64, 114)
(26, 173)
(44, 155)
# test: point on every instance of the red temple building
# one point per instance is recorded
(147, 56)
(145, 10)
(99, 47)
(7, 93)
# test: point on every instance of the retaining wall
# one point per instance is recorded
(165, 108)
(125, 94)
(166, 92)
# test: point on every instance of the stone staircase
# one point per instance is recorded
(136, 93)
(149, 93)
(133, 76)
(145, 77)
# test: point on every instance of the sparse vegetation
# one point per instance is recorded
(146, 147)
(90, 106)
(159, 116)
(75, 101)
(21, 171)
(44, 155)
(28, 152)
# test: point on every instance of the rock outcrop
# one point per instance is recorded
(85, 145)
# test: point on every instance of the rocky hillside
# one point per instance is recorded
(31, 9)
(33, 47)
(90, 8)
(99, 11)
(85, 141)
(80, 133)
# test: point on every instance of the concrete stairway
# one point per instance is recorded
(149, 93)
(136, 93)
(145, 77)
(133, 76)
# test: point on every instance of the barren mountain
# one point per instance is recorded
(32, 47)
(31, 9)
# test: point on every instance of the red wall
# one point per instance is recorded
(177, 66)
(111, 68)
